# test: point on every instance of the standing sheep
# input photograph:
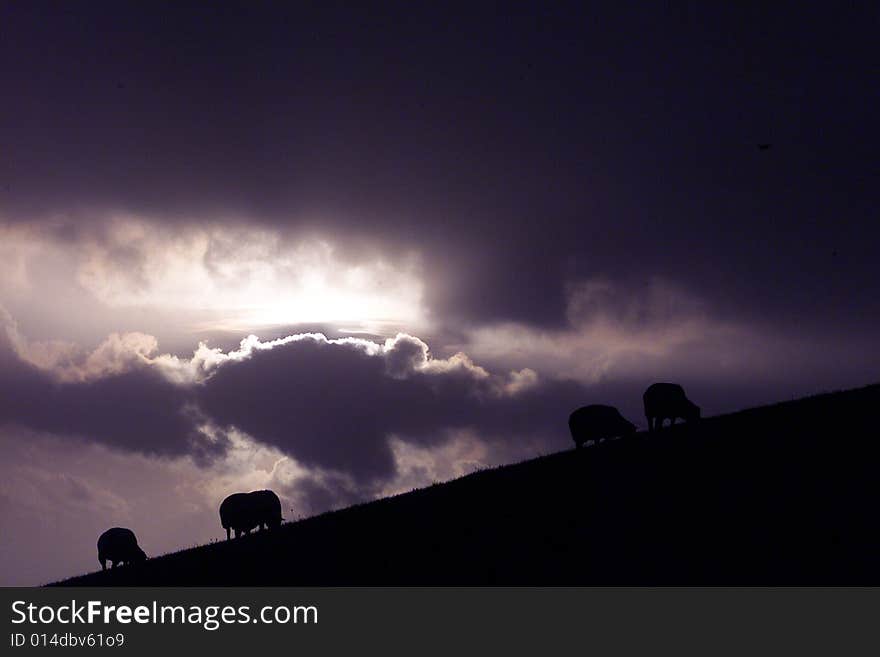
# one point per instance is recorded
(243, 512)
(667, 400)
(596, 422)
(119, 546)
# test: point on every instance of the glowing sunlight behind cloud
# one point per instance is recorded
(248, 277)
(200, 277)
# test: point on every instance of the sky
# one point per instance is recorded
(342, 251)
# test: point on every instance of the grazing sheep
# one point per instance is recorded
(119, 546)
(667, 400)
(243, 512)
(596, 422)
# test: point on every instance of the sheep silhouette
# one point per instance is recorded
(242, 512)
(119, 545)
(596, 422)
(667, 400)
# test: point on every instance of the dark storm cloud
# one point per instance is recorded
(315, 493)
(136, 410)
(334, 405)
(517, 151)
(330, 405)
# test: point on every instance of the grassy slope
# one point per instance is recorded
(772, 495)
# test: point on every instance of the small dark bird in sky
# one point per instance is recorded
(763, 147)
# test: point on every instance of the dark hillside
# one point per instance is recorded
(783, 494)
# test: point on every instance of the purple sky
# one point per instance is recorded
(444, 229)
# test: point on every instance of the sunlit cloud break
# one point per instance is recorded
(254, 276)
(223, 276)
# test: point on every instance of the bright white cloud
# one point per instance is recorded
(251, 277)
(18, 247)
(96, 275)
